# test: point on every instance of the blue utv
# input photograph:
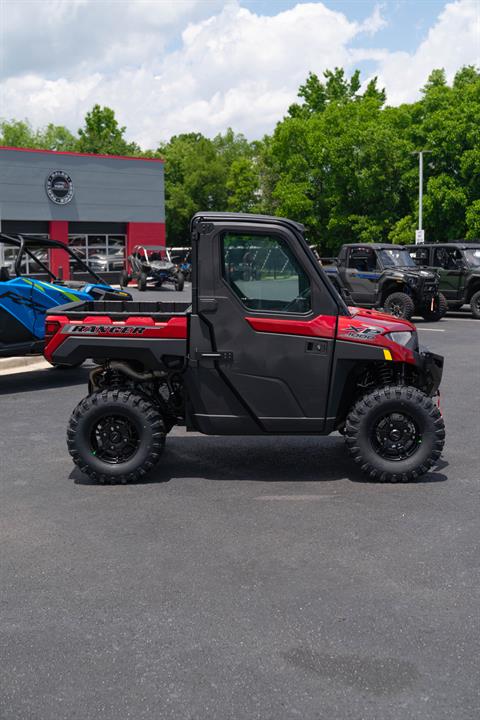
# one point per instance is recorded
(25, 299)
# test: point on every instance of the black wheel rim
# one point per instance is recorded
(396, 310)
(114, 439)
(395, 436)
(476, 304)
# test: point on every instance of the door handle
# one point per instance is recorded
(207, 305)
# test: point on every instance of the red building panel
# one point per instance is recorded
(59, 265)
(145, 234)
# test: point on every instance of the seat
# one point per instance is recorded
(4, 274)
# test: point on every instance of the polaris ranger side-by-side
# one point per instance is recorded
(385, 276)
(263, 353)
(459, 267)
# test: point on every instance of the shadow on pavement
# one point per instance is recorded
(284, 459)
(50, 378)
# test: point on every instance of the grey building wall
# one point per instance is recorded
(105, 189)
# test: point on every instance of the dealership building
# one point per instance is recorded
(101, 205)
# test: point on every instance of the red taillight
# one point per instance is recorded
(51, 329)
(53, 335)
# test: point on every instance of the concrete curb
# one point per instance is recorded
(30, 362)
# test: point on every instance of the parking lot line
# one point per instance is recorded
(430, 329)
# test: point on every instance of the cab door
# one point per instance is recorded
(361, 274)
(446, 261)
(272, 323)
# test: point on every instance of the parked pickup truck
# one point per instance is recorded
(459, 267)
(385, 276)
(261, 353)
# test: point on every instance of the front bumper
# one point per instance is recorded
(430, 366)
(426, 294)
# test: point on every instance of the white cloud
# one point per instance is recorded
(230, 66)
(452, 42)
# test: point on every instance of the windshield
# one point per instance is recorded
(154, 254)
(396, 258)
(472, 256)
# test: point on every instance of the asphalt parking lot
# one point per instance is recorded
(245, 578)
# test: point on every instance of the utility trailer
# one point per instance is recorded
(263, 353)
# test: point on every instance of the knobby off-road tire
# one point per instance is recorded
(393, 416)
(475, 305)
(115, 436)
(142, 282)
(400, 305)
(124, 279)
(440, 308)
(179, 282)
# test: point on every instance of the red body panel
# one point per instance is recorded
(321, 326)
(59, 328)
(347, 329)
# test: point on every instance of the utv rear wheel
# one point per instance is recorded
(395, 433)
(124, 279)
(475, 305)
(115, 436)
(440, 307)
(142, 282)
(179, 282)
(400, 305)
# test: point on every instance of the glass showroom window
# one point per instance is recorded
(28, 266)
(103, 253)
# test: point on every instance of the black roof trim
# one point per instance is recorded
(462, 244)
(247, 217)
(375, 246)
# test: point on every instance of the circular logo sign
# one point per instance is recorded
(59, 187)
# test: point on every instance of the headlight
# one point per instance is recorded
(413, 281)
(402, 338)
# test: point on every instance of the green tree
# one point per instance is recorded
(17, 133)
(195, 179)
(473, 221)
(102, 134)
(56, 137)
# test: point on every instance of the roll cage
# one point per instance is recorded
(25, 247)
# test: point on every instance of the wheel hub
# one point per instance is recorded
(114, 439)
(395, 436)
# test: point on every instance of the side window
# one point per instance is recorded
(264, 274)
(446, 258)
(420, 255)
(362, 259)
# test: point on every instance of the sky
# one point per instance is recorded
(172, 66)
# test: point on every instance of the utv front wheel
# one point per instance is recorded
(142, 282)
(179, 282)
(475, 305)
(440, 308)
(400, 305)
(395, 433)
(124, 279)
(115, 436)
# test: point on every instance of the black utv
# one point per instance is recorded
(385, 276)
(459, 267)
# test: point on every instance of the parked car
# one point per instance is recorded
(458, 264)
(379, 275)
(25, 299)
(151, 263)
